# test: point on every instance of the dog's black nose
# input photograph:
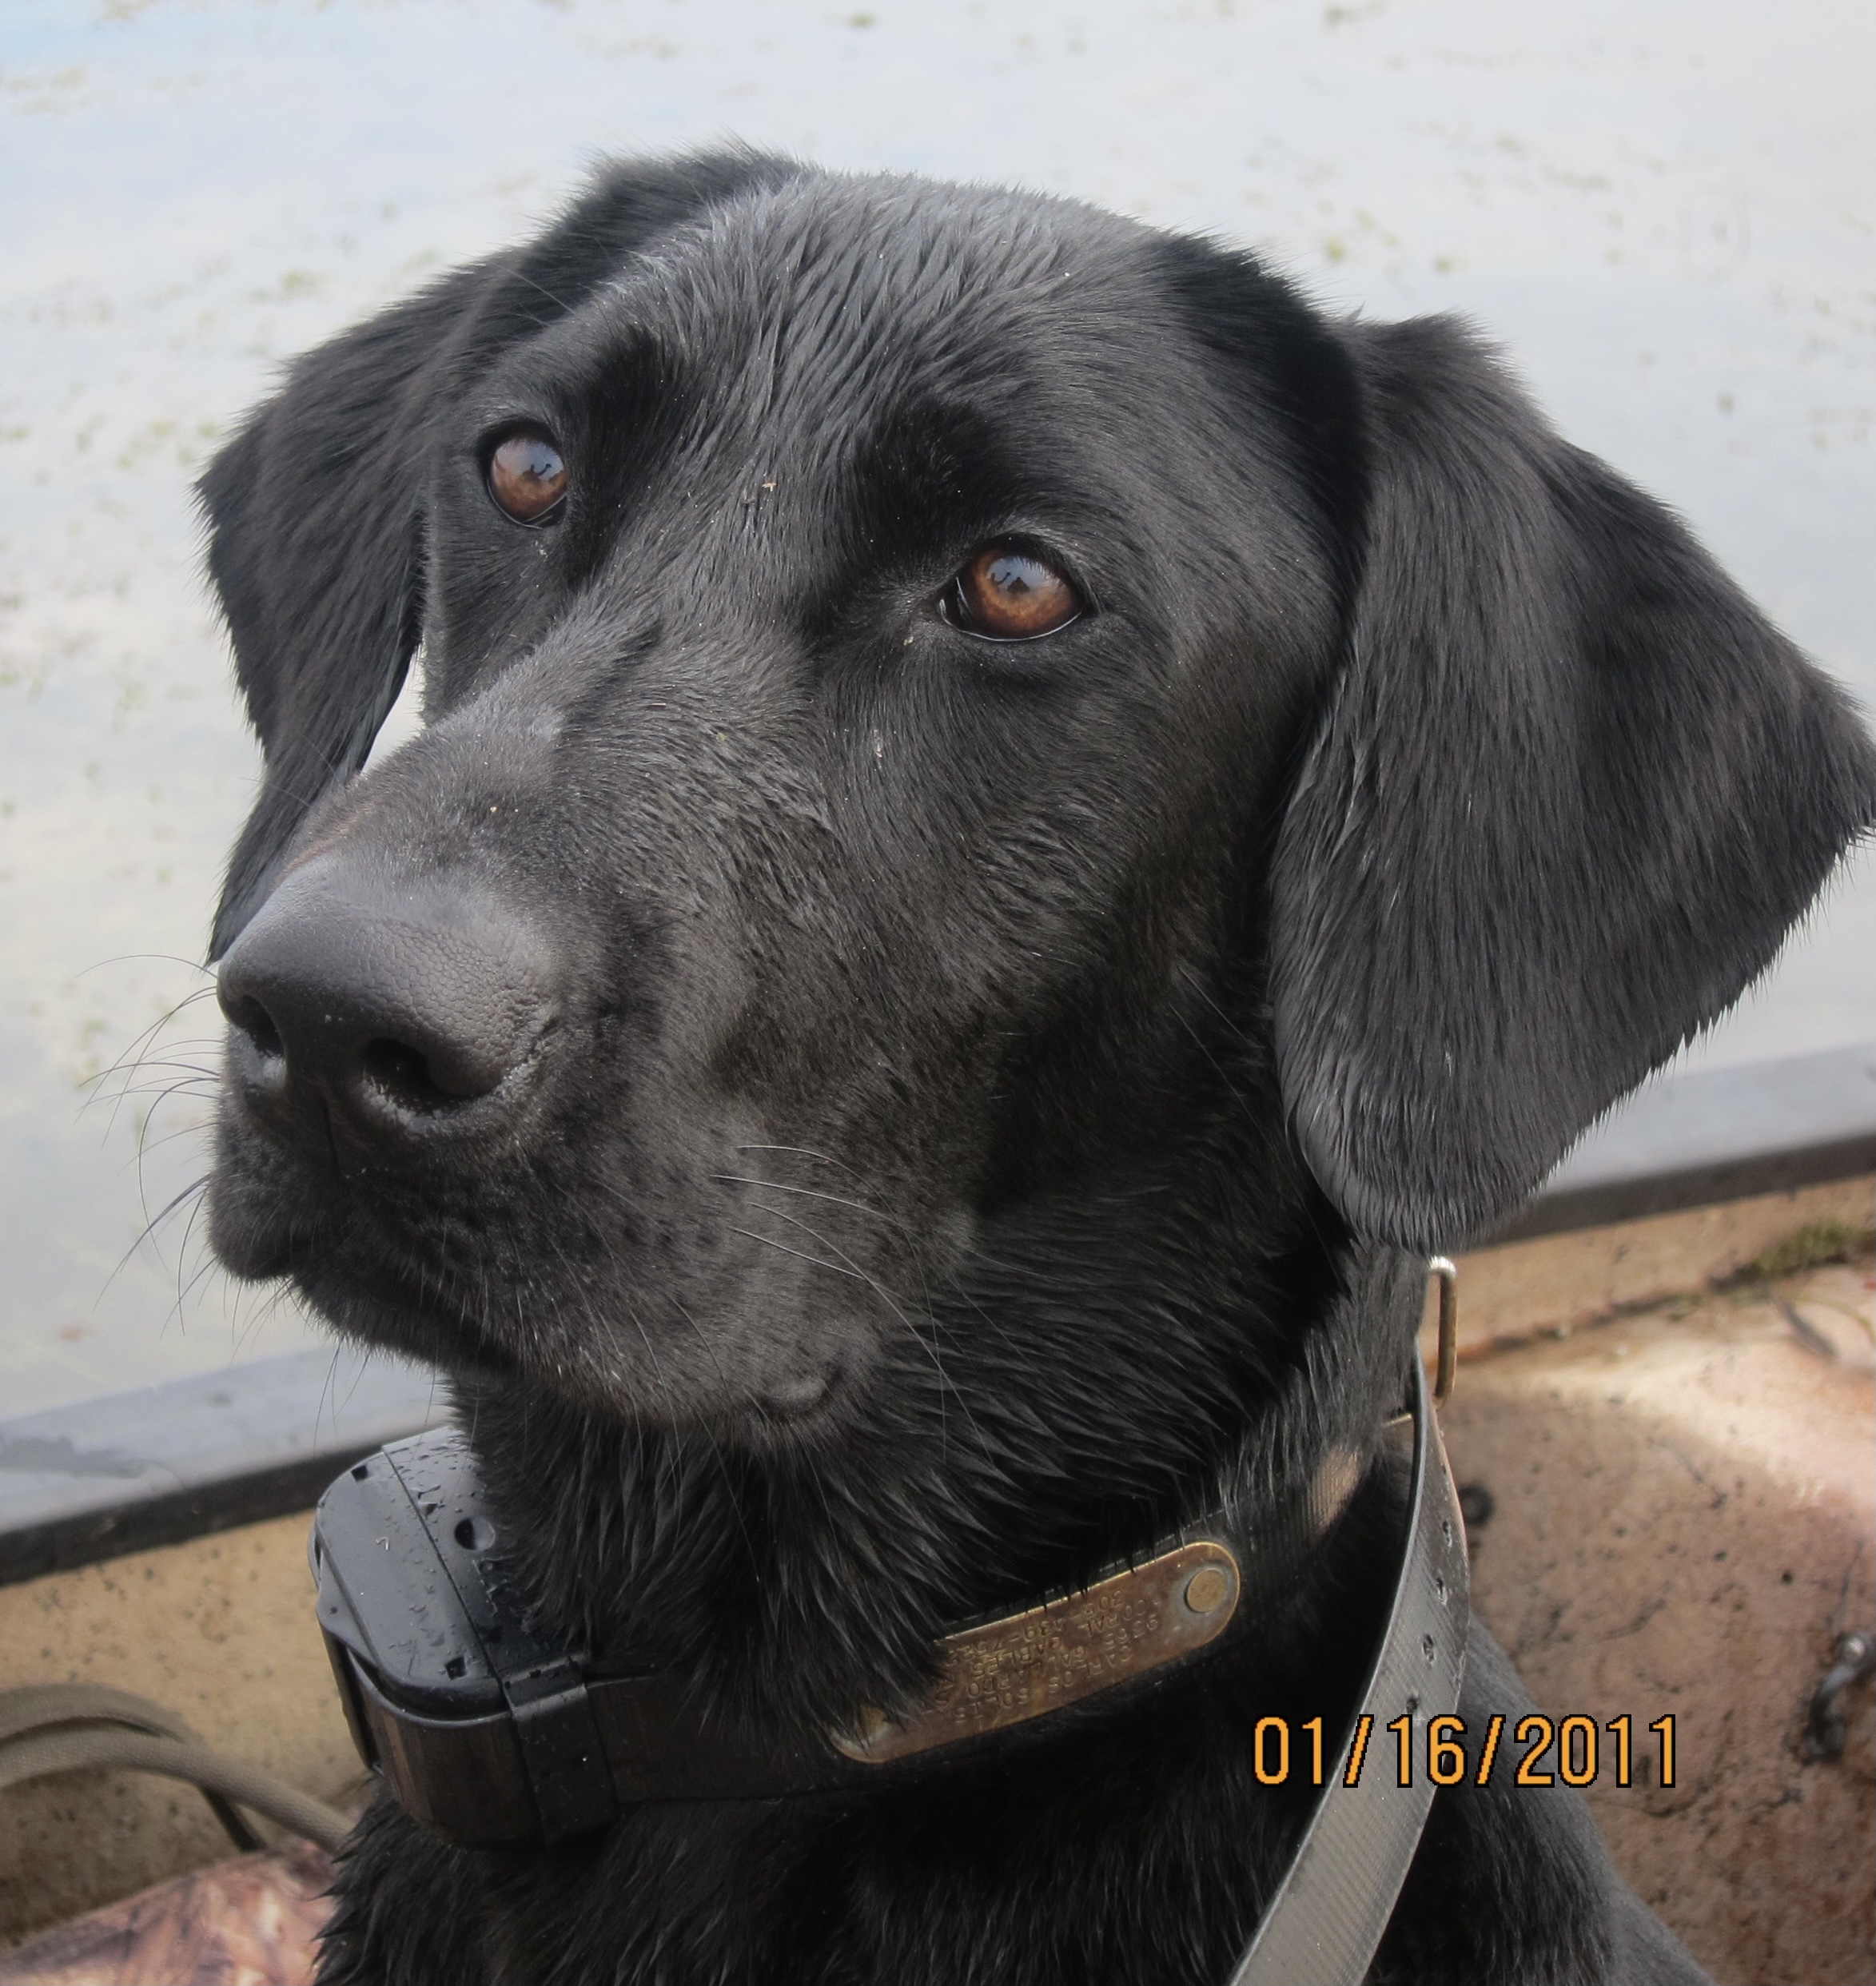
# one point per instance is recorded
(399, 1004)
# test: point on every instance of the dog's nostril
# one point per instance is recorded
(403, 1075)
(393, 1013)
(254, 1020)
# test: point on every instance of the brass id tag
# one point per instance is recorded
(1008, 1671)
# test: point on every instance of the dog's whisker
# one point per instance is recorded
(1218, 1069)
(192, 1071)
(801, 1151)
(807, 1192)
(592, 1311)
(929, 1347)
(1195, 983)
(186, 1285)
(146, 1145)
(833, 1268)
(152, 1222)
(136, 1050)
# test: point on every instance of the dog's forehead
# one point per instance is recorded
(826, 269)
(827, 302)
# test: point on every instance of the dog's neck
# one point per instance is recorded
(1068, 1423)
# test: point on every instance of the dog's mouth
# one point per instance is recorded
(785, 1410)
(494, 1341)
(474, 1300)
(384, 1312)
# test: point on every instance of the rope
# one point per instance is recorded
(76, 1726)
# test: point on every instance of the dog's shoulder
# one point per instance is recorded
(1512, 1881)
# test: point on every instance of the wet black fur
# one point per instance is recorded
(1000, 1095)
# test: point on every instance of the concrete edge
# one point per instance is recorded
(1692, 1140)
(125, 1472)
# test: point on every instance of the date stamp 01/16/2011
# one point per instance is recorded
(1547, 1750)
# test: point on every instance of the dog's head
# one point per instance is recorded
(952, 719)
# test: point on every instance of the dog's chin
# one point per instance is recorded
(392, 1322)
(249, 1238)
(801, 1410)
(804, 1408)
(800, 1395)
(800, 1406)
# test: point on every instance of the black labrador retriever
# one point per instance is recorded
(1013, 824)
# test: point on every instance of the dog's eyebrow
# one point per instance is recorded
(927, 470)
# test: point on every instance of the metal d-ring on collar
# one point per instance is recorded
(493, 1738)
(1446, 1271)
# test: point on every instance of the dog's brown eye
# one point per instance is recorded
(526, 477)
(1012, 596)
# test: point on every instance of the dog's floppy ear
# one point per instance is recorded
(1567, 796)
(314, 507)
(314, 548)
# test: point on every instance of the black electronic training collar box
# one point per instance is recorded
(493, 1738)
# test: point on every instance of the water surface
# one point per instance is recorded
(1666, 213)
